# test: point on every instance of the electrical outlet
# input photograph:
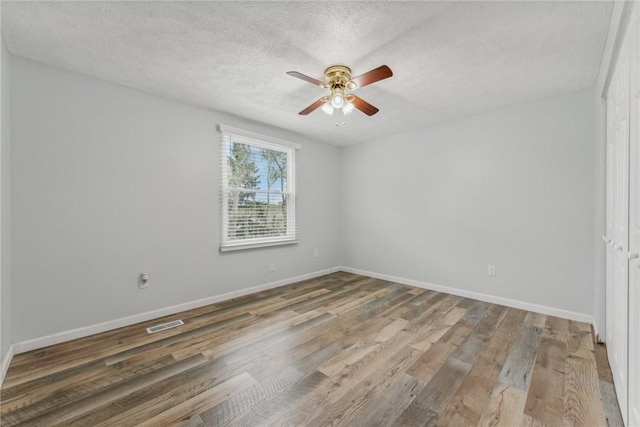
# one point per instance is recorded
(316, 254)
(143, 281)
(272, 267)
(491, 270)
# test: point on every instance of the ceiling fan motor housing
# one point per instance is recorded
(337, 77)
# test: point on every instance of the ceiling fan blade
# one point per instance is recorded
(314, 106)
(375, 75)
(307, 79)
(364, 106)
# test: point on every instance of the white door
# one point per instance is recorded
(633, 419)
(609, 308)
(618, 283)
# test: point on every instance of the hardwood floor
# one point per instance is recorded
(341, 349)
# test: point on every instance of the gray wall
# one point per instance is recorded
(109, 182)
(512, 187)
(5, 207)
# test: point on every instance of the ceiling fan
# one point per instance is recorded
(338, 79)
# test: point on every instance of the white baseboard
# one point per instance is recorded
(6, 361)
(551, 311)
(24, 346)
(596, 333)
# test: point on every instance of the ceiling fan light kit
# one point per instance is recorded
(327, 108)
(337, 100)
(338, 79)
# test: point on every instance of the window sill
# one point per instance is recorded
(230, 247)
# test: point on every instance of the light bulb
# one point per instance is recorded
(327, 108)
(337, 100)
(347, 108)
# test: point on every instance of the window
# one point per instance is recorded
(258, 197)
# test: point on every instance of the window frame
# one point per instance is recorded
(229, 135)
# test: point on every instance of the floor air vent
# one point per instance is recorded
(164, 326)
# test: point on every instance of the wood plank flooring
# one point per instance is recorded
(339, 350)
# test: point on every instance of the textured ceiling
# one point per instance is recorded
(449, 59)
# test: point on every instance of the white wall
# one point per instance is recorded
(5, 212)
(109, 182)
(512, 187)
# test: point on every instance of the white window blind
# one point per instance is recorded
(258, 199)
